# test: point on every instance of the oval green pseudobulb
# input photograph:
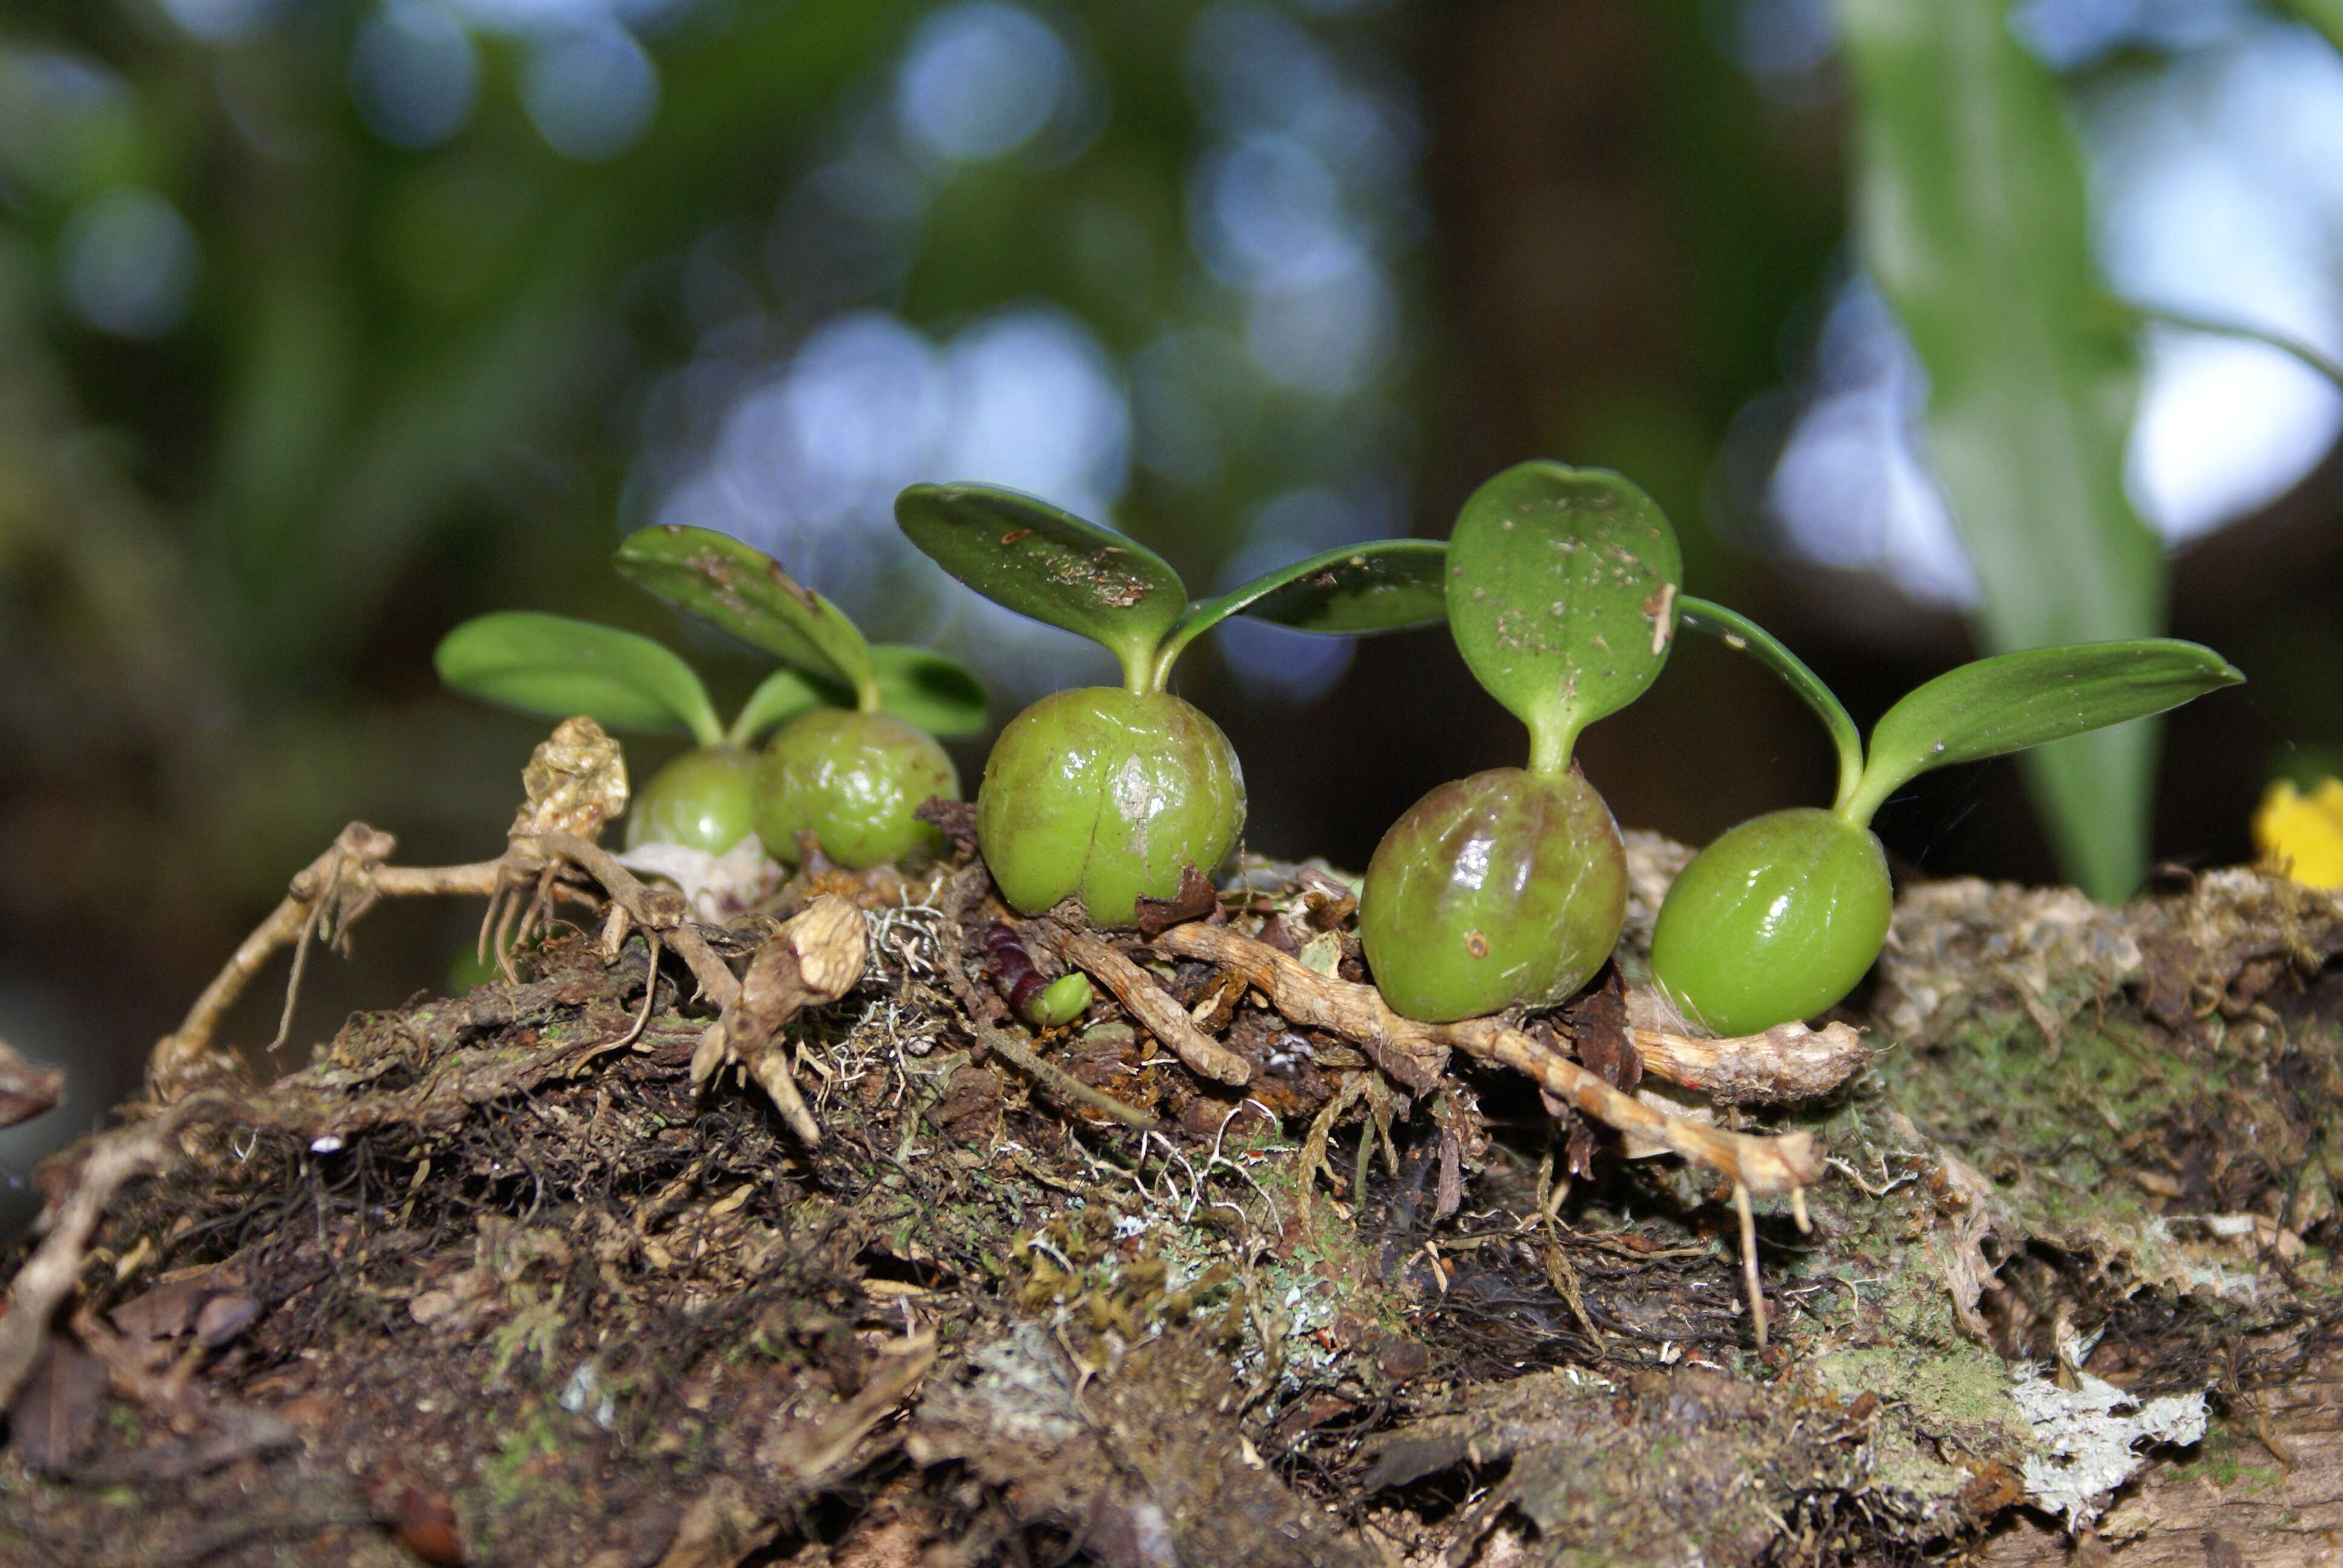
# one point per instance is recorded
(1507, 888)
(854, 781)
(1108, 795)
(1773, 922)
(704, 800)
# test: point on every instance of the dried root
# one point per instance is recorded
(1414, 1053)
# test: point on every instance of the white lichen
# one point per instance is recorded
(2085, 1438)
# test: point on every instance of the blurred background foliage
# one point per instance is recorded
(324, 324)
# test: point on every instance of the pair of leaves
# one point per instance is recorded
(554, 666)
(2010, 702)
(1067, 572)
(1562, 588)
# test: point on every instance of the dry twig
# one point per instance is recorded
(1766, 1166)
(48, 1276)
(1147, 1002)
(816, 957)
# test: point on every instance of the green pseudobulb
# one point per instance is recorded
(853, 781)
(1505, 888)
(704, 800)
(1774, 921)
(1107, 795)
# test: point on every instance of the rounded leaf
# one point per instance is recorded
(741, 589)
(557, 668)
(1026, 554)
(921, 687)
(2015, 700)
(1562, 587)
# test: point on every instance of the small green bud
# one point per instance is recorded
(1773, 922)
(704, 800)
(1061, 1001)
(1505, 888)
(1107, 794)
(853, 781)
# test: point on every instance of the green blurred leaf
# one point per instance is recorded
(1738, 631)
(1385, 584)
(921, 687)
(1975, 222)
(560, 667)
(2326, 15)
(781, 697)
(2015, 700)
(1028, 555)
(743, 590)
(1560, 588)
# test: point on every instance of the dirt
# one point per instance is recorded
(491, 1282)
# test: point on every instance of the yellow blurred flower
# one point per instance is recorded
(2301, 836)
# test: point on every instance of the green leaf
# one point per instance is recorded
(921, 687)
(1387, 585)
(1561, 594)
(2015, 700)
(1973, 219)
(559, 668)
(2326, 15)
(743, 590)
(781, 697)
(1736, 630)
(1051, 564)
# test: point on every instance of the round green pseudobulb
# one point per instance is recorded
(704, 800)
(853, 781)
(1107, 794)
(1774, 921)
(1507, 888)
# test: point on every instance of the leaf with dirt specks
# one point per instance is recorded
(1562, 587)
(1024, 553)
(744, 591)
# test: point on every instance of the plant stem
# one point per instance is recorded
(1147, 670)
(1550, 747)
(1870, 793)
(1738, 631)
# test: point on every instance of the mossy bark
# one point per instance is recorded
(489, 1283)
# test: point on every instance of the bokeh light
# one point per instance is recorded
(414, 73)
(128, 263)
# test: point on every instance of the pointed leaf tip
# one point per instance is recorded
(1022, 552)
(739, 588)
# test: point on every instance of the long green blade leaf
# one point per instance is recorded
(1028, 555)
(1387, 585)
(2015, 700)
(1973, 220)
(558, 668)
(921, 687)
(1562, 585)
(741, 589)
(1738, 631)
